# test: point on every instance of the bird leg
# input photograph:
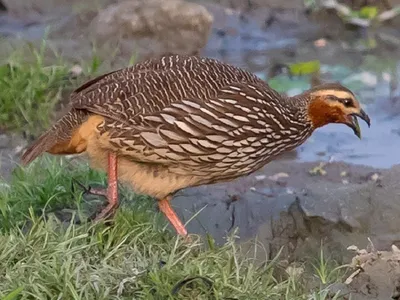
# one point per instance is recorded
(167, 210)
(111, 193)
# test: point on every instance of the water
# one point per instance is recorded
(371, 72)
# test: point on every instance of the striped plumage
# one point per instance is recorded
(181, 121)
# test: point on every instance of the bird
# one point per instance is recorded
(176, 121)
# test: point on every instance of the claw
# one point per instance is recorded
(81, 185)
(110, 193)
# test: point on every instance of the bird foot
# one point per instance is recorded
(80, 184)
(107, 211)
(97, 191)
(88, 190)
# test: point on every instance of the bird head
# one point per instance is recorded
(333, 103)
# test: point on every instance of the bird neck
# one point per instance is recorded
(299, 106)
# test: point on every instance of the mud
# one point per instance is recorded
(376, 274)
(297, 202)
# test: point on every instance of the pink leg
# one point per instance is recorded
(111, 193)
(167, 210)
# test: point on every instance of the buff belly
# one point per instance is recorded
(150, 179)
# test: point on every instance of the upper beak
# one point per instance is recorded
(353, 121)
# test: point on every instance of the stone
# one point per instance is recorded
(2, 6)
(376, 275)
(154, 27)
(317, 208)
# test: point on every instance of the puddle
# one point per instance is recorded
(380, 143)
(28, 30)
(354, 60)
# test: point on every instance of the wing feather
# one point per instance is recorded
(155, 84)
(196, 139)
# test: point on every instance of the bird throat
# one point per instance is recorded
(320, 113)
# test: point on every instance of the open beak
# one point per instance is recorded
(353, 122)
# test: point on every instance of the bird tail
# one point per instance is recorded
(61, 131)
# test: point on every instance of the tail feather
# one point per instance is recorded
(60, 132)
(42, 144)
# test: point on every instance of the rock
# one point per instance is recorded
(304, 212)
(2, 6)
(377, 275)
(75, 71)
(278, 176)
(154, 27)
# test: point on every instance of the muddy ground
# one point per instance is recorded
(334, 188)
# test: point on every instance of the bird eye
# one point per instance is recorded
(347, 102)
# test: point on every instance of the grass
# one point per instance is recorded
(31, 87)
(30, 90)
(48, 249)
(43, 255)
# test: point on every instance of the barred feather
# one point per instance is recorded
(178, 121)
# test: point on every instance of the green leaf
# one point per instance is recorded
(368, 12)
(304, 68)
(13, 294)
(95, 64)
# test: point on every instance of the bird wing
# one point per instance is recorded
(153, 85)
(225, 135)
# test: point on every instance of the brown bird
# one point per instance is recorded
(178, 121)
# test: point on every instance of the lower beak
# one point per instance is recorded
(353, 122)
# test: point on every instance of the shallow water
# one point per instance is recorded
(369, 70)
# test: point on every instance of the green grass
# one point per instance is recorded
(49, 249)
(32, 85)
(137, 257)
(30, 90)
